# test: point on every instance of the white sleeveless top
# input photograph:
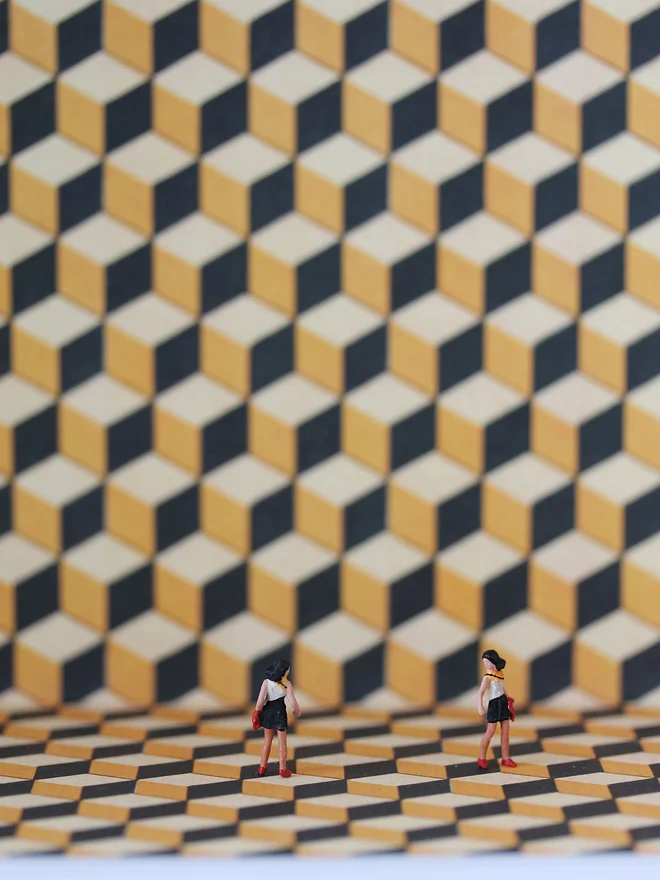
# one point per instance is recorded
(274, 691)
(496, 685)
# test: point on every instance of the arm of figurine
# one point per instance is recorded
(480, 696)
(261, 699)
(292, 699)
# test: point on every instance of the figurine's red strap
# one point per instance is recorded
(512, 708)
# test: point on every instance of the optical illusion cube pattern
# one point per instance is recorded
(373, 779)
(329, 329)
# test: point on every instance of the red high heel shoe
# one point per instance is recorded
(261, 771)
(507, 762)
(285, 774)
(482, 763)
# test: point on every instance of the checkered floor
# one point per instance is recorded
(364, 782)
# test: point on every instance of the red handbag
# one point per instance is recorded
(256, 720)
(512, 707)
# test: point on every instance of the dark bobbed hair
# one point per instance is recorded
(276, 670)
(497, 661)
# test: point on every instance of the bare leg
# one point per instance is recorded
(265, 752)
(504, 740)
(281, 740)
(485, 741)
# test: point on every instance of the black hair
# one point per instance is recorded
(276, 670)
(497, 661)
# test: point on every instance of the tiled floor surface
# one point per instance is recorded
(364, 782)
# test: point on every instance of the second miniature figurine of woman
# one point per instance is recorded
(500, 708)
(270, 713)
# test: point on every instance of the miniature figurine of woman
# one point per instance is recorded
(500, 708)
(270, 713)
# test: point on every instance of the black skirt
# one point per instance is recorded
(498, 710)
(273, 715)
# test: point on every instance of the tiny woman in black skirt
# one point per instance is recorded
(270, 713)
(499, 711)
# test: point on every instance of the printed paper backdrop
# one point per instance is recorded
(329, 330)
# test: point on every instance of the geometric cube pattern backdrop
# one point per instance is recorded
(331, 330)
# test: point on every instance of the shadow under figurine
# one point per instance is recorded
(270, 713)
(501, 708)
